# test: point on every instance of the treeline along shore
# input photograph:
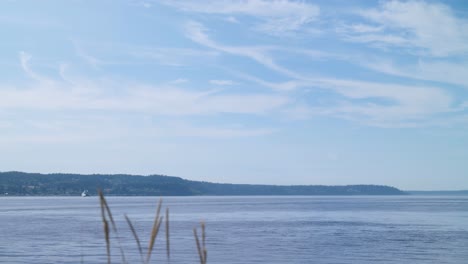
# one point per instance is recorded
(30, 184)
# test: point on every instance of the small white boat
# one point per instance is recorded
(84, 193)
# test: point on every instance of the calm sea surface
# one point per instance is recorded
(297, 229)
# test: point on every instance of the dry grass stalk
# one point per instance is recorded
(106, 226)
(154, 231)
(168, 246)
(135, 236)
(198, 245)
(203, 241)
(106, 214)
(202, 253)
(105, 209)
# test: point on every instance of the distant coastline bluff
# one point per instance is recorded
(36, 184)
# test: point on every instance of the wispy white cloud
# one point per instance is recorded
(314, 53)
(359, 28)
(142, 3)
(430, 70)
(78, 101)
(401, 103)
(119, 95)
(121, 53)
(371, 102)
(278, 16)
(91, 60)
(232, 19)
(222, 82)
(77, 129)
(24, 60)
(179, 81)
(190, 130)
(277, 86)
(430, 28)
(145, 99)
(197, 33)
(171, 56)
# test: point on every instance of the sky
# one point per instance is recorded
(273, 92)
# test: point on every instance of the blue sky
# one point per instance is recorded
(275, 92)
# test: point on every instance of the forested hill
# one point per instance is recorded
(20, 183)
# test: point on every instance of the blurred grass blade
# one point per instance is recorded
(200, 253)
(203, 241)
(203, 234)
(154, 231)
(168, 246)
(105, 209)
(105, 224)
(135, 236)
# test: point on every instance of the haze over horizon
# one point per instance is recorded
(266, 92)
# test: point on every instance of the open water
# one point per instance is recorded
(293, 229)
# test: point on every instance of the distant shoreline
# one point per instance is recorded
(409, 193)
(61, 184)
(441, 193)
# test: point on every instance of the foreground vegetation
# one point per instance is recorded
(110, 226)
